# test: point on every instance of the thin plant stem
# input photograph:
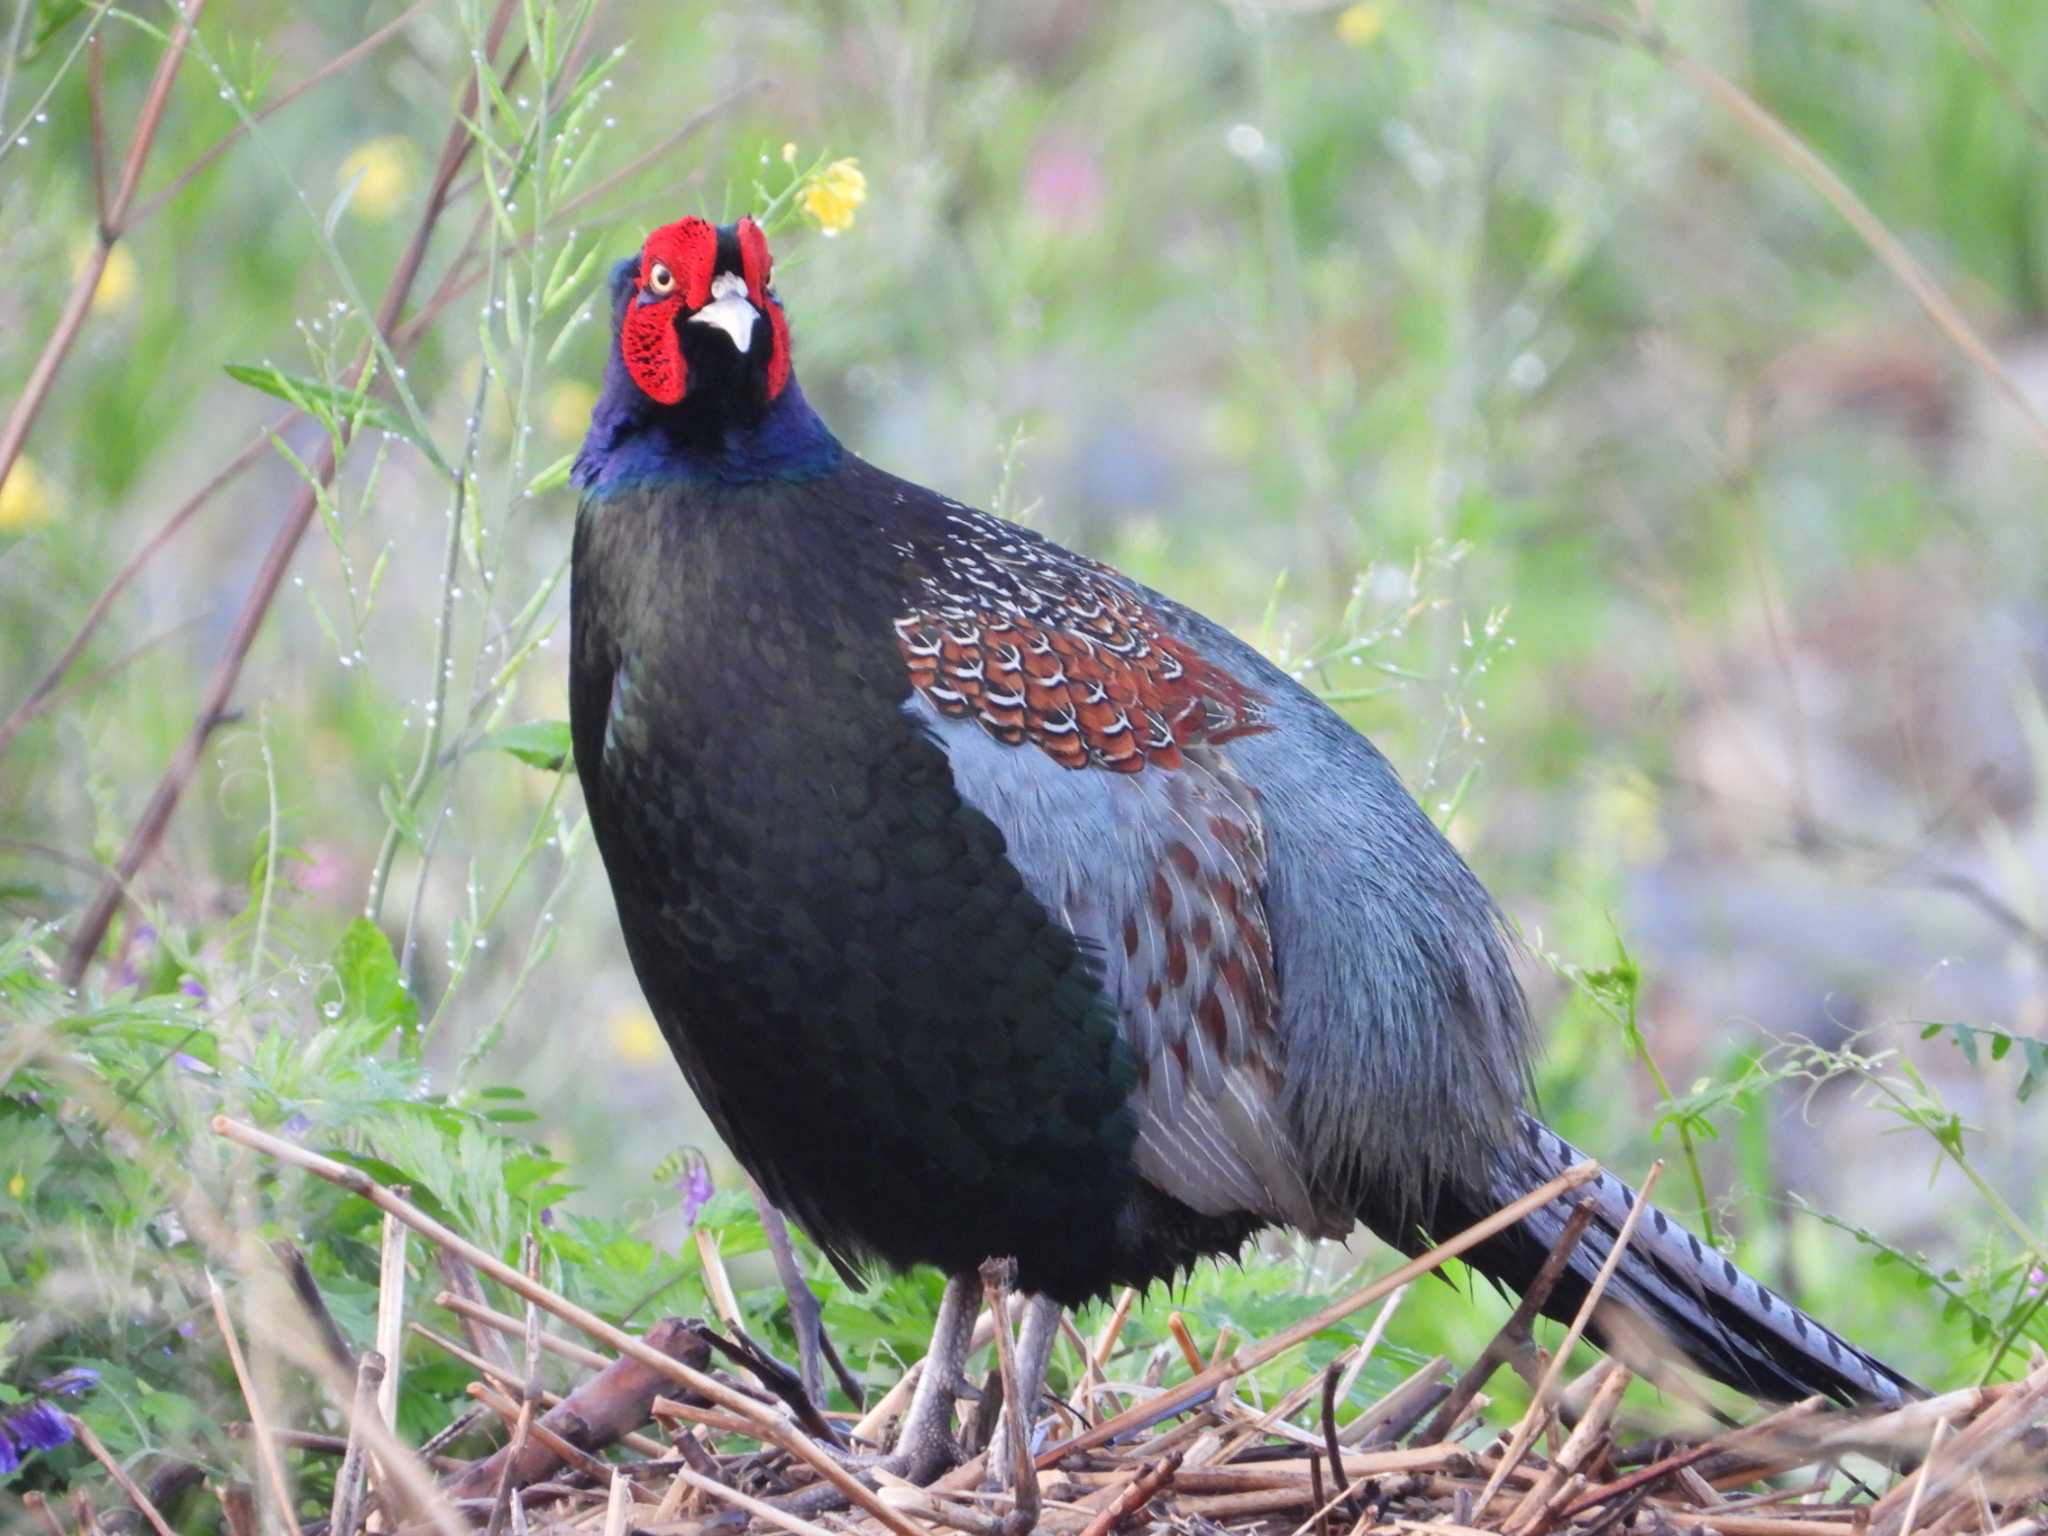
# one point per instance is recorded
(72, 318)
(1799, 157)
(40, 696)
(2012, 1219)
(149, 829)
(444, 643)
(262, 934)
(464, 275)
(1888, 248)
(499, 255)
(10, 136)
(14, 32)
(227, 141)
(444, 646)
(535, 841)
(1980, 51)
(2011, 1335)
(380, 345)
(96, 109)
(126, 659)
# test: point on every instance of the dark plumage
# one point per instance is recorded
(994, 904)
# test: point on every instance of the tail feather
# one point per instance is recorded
(1669, 1287)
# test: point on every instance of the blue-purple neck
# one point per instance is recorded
(633, 441)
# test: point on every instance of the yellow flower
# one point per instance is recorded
(565, 409)
(118, 279)
(637, 1038)
(24, 499)
(385, 167)
(17, 1186)
(1359, 24)
(789, 153)
(834, 193)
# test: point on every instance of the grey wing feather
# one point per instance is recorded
(1406, 1038)
(1161, 872)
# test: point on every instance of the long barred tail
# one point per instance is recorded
(1671, 1293)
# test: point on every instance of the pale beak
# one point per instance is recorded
(730, 310)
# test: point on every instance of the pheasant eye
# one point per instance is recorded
(660, 280)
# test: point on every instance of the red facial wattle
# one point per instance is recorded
(687, 251)
(756, 266)
(678, 265)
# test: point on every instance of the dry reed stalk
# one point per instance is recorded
(500, 1324)
(513, 1413)
(1514, 1334)
(1540, 1405)
(768, 1425)
(509, 1381)
(1945, 1478)
(461, 1281)
(1244, 1471)
(347, 1508)
(39, 1506)
(390, 1321)
(618, 1506)
(795, 1524)
(1336, 1312)
(119, 1474)
(259, 1423)
(725, 1423)
(717, 1284)
(1541, 1505)
(998, 1280)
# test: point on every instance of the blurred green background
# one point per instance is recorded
(1468, 356)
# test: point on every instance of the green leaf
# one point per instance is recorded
(400, 816)
(371, 986)
(553, 478)
(2037, 1066)
(538, 743)
(323, 401)
(561, 289)
(515, 318)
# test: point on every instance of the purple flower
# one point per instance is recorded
(296, 1127)
(189, 985)
(30, 1428)
(80, 1378)
(695, 1186)
(2037, 1280)
(39, 1427)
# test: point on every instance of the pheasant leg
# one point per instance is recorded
(924, 1444)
